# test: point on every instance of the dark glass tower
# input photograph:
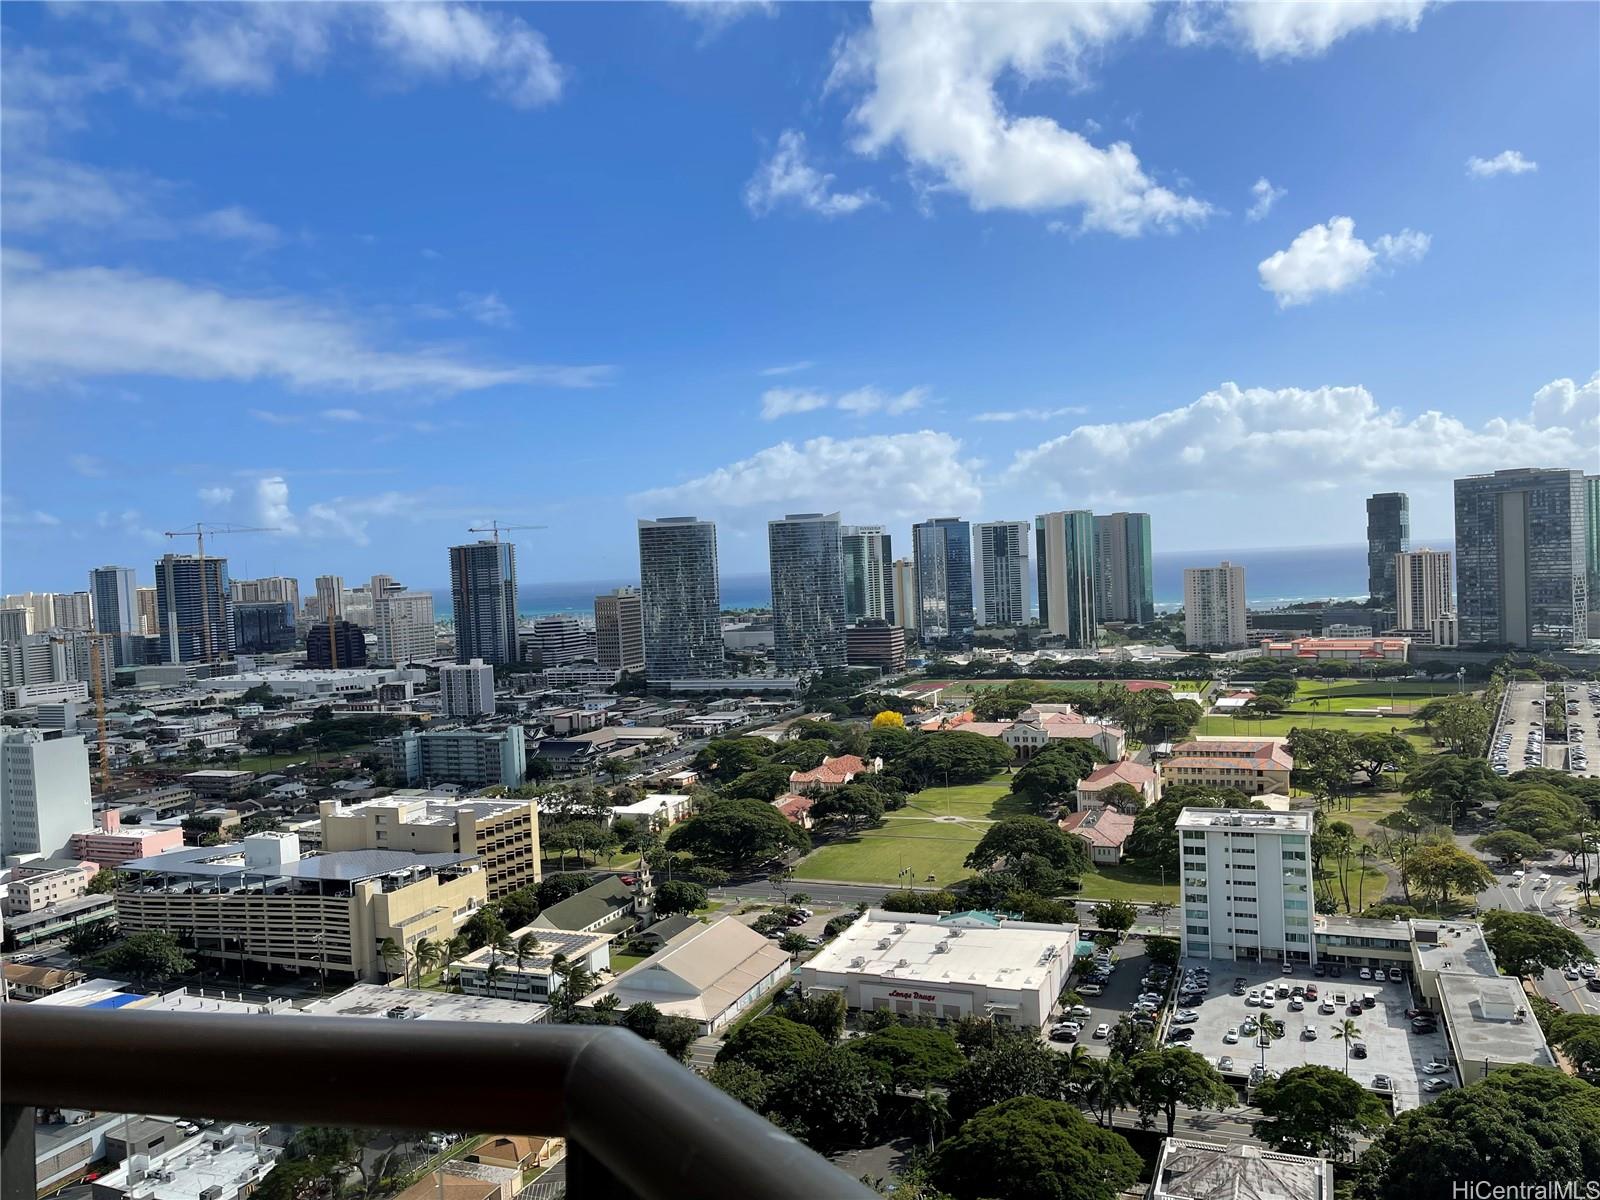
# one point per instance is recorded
(1388, 534)
(483, 598)
(943, 551)
(808, 612)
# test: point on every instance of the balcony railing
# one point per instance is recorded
(638, 1125)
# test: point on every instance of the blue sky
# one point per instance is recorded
(374, 274)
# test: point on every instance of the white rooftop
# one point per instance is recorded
(1245, 820)
(226, 1158)
(920, 946)
(1193, 1170)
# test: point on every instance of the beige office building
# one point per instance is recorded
(1214, 616)
(259, 901)
(1422, 588)
(503, 835)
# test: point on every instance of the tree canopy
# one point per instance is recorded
(931, 759)
(736, 834)
(1166, 1078)
(1316, 1110)
(1050, 778)
(1028, 1148)
(772, 1045)
(1524, 942)
(1446, 870)
(911, 1057)
(1021, 837)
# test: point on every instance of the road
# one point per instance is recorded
(1555, 900)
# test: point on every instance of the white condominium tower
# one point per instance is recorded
(1001, 576)
(1213, 607)
(405, 627)
(1422, 581)
(1246, 884)
(868, 573)
(904, 571)
(467, 689)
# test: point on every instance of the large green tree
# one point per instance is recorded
(1028, 1148)
(1011, 1066)
(678, 896)
(737, 834)
(1155, 834)
(1508, 846)
(772, 1045)
(934, 759)
(1016, 837)
(723, 760)
(150, 959)
(1524, 942)
(1444, 787)
(1316, 1110)
(1049, 779)
(911, 1057)
(1446, 870)
(829, 1102)
(1166, 1078)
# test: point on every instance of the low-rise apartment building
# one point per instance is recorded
(1254, 766)
(503, 835)
(472, 758)
(115, 843)
(31, 889)
(259, 901)
(533, 976)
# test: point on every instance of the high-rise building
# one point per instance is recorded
(465, 756)
(681, 598)
(265, 627)
(73, 610)
(467, 689)
(1124, 576)
(336, 645)
(876, 644)
(116, 610)
(808, 621)
(483, 596)
(13, 624)
(1001, 575)
(557, 640)
(405, 627)
(943, 550)
(271, 589)
(1064, 544)
(1591, 557)
(1521, 572)
(330, 596)
(619, 630)
(1388, 534)
(149, 611)
(1422, 589)
(1214, 615)
(1247, 885)
(904, 573)
(194, 608)
(40, 607)
(868, 573)
(44, 792)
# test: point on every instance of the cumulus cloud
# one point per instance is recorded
(1032, 414)
(14, 512)
(215, 497)
(96, 321)
(1301, 440)
(1507, 162)
(237, 224)
(931, 74)
(788, 179)
(272, 504)
(1263, 197)
(716, 15)
(783, 402)
(1285, 29)
(1329, 258)
(887, 475)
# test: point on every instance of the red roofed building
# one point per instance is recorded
(796, 808)
(1326, 649)
(834, 772)
(1253, 766)
(1093, 786)
(1103, 830)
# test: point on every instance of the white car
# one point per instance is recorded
(1366, 972)
(1081, 1011)
(1102, 1030)
(1252, 999)
(1436, 1068)
(1185, 1017)
(1571, 973)
(1268, 1002)
(1587, 970)
(1437, 1085)
(1231, 1037)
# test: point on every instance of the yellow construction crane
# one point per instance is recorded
(199, 533)
(497, 529)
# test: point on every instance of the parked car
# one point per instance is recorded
(1185, 1016)
(1061, 1034)
(1180, 1035)
(1090, 989)
(1102, 1030)
(1358, 1049)
(1309, 1033)
(1231, 1037)
(1437, 1085)
(1435, 1068)
(1326, 1008)
(1080, 1010)
(1366, 972)
(1225, 1063)
(1319, 970)
(1383, 1083)
(1297, 1005)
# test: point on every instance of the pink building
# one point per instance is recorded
(114, 844)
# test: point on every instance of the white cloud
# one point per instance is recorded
(883, 476)
(783, 402)
(1329, 258)
(805, 364)
(452, 39)
(13, 512)
(716, 15)
(89, 466)
(237, 224)
(487, 309)
(276, 418)
(787, 178)
(272, 504)
(344, 415)
(215, 496)
(1032, 414)
(1300, 440)
(90, 321)
(1264, 197)
(1283, 29)
(1507, 162)
(931, 72)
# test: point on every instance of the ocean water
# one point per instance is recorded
(1273, 577)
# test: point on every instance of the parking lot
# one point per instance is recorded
(1583, 728)
(1392, 1048)
(1121, 990)
(1519, 741)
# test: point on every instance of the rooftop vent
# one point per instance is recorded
(941, 948)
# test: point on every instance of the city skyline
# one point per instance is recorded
(954, 331)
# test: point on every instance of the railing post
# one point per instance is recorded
(18, 1180)
(587, 1177)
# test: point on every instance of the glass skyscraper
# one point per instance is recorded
(1388, 534)
(194, 608)
(1591, 495)
(1125, 587)
(1521, 570)
(1001, 574)
(682, 599)
(868, 573)
(116, 610)
(943, 551)
(808, 611)
(483, 600)
(1066, 566)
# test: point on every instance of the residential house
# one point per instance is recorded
(1092, 787)
(1103, 830)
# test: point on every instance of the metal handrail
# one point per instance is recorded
(637, 1123)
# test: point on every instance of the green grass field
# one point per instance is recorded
(621, 962)
(1283, 725)
(264, 763)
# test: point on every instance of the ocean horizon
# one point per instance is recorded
(1274, 577)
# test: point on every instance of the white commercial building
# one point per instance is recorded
(404, 624)
(1246, 879)
(222, 1163)
(1422, 588)
(467, 689)
(317, 684)
(968, 964)
(1213, 607)
(559, 640)
(904, 573)
(44, 792)
(1002, 578)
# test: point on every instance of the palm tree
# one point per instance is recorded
(524, 948)
(1076, 1062)
(933, 1110)
(491, 975)
(391, 952)
(453, 948)
(607, 1005)
(426, 955)
(1347, 1031)
(1364, 851)
(1110, 1087)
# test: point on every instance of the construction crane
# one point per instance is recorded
(497, 529)
(199, 532)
